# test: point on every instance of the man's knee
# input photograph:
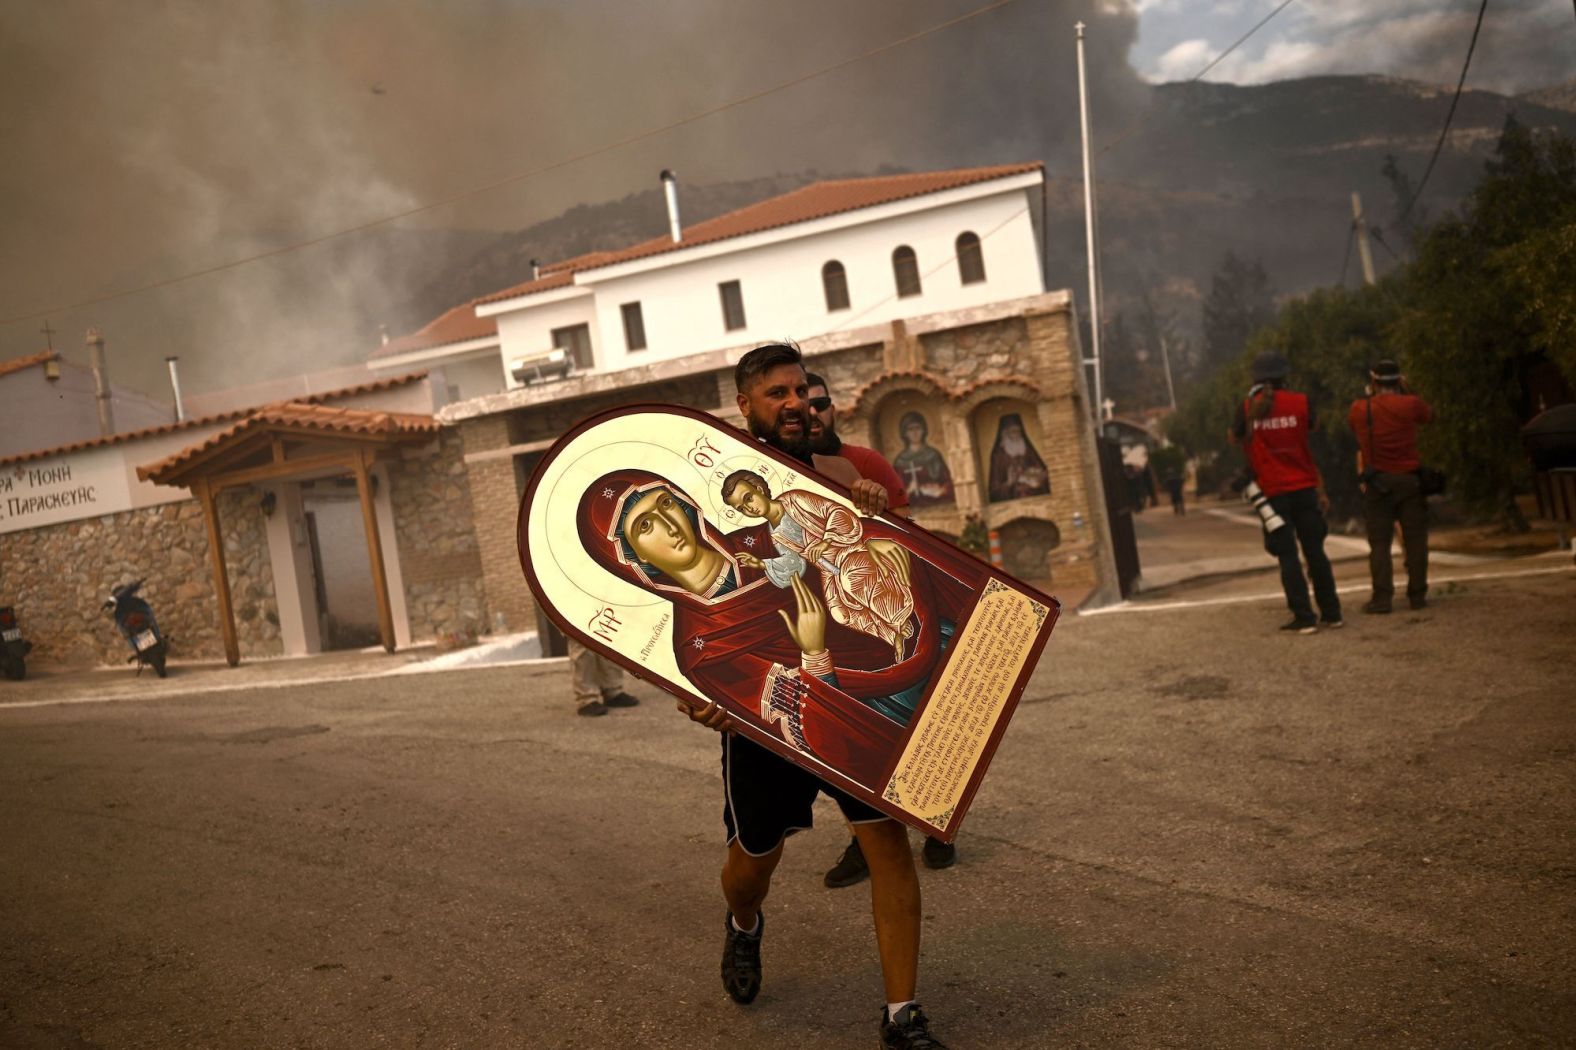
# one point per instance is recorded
(749, 868)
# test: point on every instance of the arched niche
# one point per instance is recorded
(909, 427)
(1011, 450)
(1026, 546)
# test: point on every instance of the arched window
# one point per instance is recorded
(971, 260)
(835, 282)
(905, 271)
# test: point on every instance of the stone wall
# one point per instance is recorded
(435, 530)
(58, 577)
(969, 367)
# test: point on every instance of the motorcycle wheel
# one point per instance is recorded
(156, 658)
(16, 670)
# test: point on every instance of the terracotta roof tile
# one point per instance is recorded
(458, 325)
(816, 201)
(306, 416)
(209, 420)
(560, 278)
(18, 364)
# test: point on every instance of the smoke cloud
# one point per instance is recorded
(147, 141)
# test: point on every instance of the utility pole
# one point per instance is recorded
(1089, 229)
(1165, 359)
(1363, 251)
(101, 388)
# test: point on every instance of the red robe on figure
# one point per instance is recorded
(734, 648)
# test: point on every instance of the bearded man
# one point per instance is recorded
(766, 797)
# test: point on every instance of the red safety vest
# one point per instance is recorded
(1277, 445)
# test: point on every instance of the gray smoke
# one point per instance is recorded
(146, 141)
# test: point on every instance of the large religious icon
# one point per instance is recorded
(1016, 469)
(866, 650)
(921, 466)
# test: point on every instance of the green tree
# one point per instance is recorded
(1488, 303)
(1239, 303)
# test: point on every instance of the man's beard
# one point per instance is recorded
(798, 447)
(826, 443)
(1014, 445)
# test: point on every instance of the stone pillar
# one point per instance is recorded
(1057, 356)
(495, 506)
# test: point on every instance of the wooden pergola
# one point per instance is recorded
(292, 441)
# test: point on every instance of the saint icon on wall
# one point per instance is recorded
(1016, 469)
(921, 466)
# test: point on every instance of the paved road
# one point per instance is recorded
(1197, 833)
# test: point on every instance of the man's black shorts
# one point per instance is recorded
(766, 797)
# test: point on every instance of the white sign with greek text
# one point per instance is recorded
(68, 488)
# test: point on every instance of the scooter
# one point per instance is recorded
(137, 625)
(13, 647)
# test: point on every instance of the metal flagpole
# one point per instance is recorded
(1094, 291)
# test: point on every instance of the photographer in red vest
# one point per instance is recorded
(1386, 423)
(1272, 426)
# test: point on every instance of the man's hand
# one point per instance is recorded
(712, 716)
(870, 497)
(1324, 501)
(749, 561)
(809, 631)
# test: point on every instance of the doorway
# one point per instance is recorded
(345, 600)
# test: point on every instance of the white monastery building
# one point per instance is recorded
(830, 256)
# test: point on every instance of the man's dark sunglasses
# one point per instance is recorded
(820, 404)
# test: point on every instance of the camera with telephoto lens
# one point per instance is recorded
(1261, 503)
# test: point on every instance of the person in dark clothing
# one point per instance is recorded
(1386, 423)
(1272, 426)
(1173, 485)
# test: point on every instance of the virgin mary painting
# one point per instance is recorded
(772, 656)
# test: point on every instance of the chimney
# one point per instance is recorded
(175, 385)
(101, 393)
(536, 270)
(670, 189)
(383, 334)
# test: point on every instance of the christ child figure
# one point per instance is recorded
(864, 588)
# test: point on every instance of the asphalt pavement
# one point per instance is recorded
(1198, 832)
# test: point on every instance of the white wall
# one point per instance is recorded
(475, 376)
(528, 332)
(43, 413)
(103, 480)
(781, 284)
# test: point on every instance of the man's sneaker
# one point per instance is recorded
(619, 700)
(1376, 607)
(1325, 621)
(910, 1030)
(1301, 626)
(851, 868)
(741, 961)
(938, 854)
(592, 709)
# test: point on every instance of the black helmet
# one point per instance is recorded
(1385, 371)
(1270, 365)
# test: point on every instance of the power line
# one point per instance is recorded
(1374, 231)
(1241, 39)
(520, 176)
(1141, 121)
(1448, 115)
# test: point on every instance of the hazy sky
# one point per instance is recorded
(1524, 44)
(145, 140)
